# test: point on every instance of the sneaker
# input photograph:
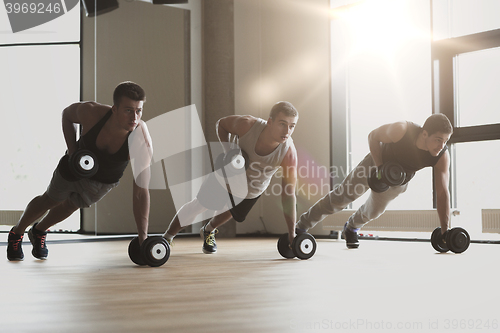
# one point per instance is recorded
(37, 239)
(209, 245)
(14, 248)
(351, 237)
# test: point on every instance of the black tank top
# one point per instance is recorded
(407, 154)
(111, 166)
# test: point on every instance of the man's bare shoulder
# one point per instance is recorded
(238, 125)
(93, 108)
(246, 121)
(89, 113)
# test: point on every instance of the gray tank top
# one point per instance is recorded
(261, 168)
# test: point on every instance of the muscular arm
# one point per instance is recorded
(441, 178)
(385, 134)
(141, 205)
(86, 114)
(141, 152)
(70, 119)
(289, 183)
(235, 125)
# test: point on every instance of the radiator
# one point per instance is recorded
(10, 217)
(491, 220)
(391, 220)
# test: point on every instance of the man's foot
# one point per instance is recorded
(209, 245)
(37, 239)
(14, 248)
(351, 237)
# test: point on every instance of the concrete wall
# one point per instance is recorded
(218, 71)
(146, 44)
(255, 53)
(282, 53)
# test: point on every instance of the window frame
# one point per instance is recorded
(79, 43)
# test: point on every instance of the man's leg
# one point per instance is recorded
(239, 213)
(186, 215)
(351, 188)
(38, 234)
(57, 214)
(374, 206)
(370, 210)
(210, 229)
(35, 209)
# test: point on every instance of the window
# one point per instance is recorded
(477, 87)
(404, 60)
(456, 18)
(477, 183)
(40, 76)
(387, 78)
(465, 80)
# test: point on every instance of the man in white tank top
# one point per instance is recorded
(269, 146)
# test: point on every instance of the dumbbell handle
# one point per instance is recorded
(443, 235)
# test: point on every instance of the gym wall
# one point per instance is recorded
(143, 43)
(282, 53)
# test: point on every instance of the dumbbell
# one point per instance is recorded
(456, 240)
(154, 251)
(303, 246)
(81, 164)
(232, 163)
(389, 174)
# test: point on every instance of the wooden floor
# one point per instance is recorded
(247, 287)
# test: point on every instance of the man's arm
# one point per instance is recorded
(141, 205)
(235, 125)
(441, 178)
(70, 119)
(385, 134)
(141, 152)
(289, 183)
(86, 114)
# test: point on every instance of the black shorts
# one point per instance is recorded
(242, 209)
(214, 196)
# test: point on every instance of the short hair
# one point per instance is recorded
(128, 89)
(286, 107)
(438, 123)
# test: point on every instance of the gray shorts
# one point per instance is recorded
(83, 193)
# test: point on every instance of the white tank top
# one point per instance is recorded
(261, 168)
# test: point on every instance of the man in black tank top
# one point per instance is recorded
(105, 132)
(406, 143)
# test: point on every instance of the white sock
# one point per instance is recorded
(168, 236)
(209, 227)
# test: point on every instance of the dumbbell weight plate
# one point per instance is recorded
(83, 163)
(393, 174)
(284, 248)
(458, 240)
(304, 246)
(134, 252)
(155, 251)
(376, 184)
(64, 169)
(437, 241)
(234, 163)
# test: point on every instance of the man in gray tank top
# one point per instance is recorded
(269, 146)
(410, 145)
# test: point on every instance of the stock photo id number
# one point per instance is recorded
(26, 14)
